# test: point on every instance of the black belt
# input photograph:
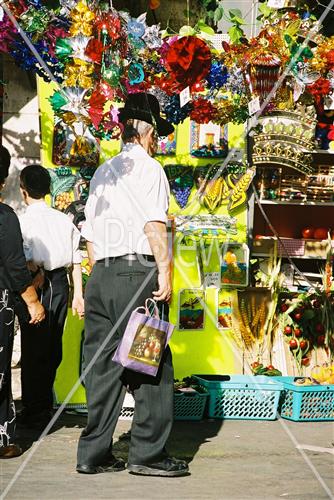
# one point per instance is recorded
(128, 256)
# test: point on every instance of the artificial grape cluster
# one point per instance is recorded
(181, 195)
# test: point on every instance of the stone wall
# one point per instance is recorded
(20, 125)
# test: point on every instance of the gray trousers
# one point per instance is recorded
(112, 290)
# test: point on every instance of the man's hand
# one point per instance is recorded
(78, 306)
(165, 287)
(37, 312)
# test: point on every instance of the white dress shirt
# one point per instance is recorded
(49, 237)
(125, 193)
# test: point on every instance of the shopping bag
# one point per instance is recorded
(144, 341)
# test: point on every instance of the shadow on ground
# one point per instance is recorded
(185, 440)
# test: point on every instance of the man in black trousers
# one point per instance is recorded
(51, 244)
(126, 237)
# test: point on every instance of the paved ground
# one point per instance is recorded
(228, 460)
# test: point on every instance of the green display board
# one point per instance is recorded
(205, 349)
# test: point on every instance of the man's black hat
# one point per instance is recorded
(145, 107)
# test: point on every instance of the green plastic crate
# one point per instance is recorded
(306, 403)
(189, 405)
(243, 397)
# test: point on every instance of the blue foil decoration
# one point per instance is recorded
(217, 76)
(174, 113)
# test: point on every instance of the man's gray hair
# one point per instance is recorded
(134, 129)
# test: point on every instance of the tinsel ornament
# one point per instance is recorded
(188, 60)
(79, 73)
(94, 50)
(7, 34)
(111, 74)
(203, 111)
(82, 19)
(109, 23)
(35, 21)
(224, 111)
(217, 76)
(136, 73)
(174, 113)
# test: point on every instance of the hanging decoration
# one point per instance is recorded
(100, 55)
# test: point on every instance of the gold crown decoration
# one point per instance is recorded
(287, 138)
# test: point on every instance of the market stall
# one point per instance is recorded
(244, 108)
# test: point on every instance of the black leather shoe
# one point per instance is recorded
(112, 465)
(10, 451)
(169, 467)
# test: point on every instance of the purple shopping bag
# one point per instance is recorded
(144, 341)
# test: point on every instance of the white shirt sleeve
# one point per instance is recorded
(156, 196)
(87, 226)
(27, 247)
(76, 253)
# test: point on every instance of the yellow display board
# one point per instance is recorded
(210, 350)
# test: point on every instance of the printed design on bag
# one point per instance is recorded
(148, 345)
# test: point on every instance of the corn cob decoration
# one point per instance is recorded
(212, 194)
(238, 196)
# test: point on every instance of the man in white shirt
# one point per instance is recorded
(51, 244)
(125, 229)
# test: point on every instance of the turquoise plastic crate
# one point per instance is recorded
(241, 396)
(306, 403)
(189, 405)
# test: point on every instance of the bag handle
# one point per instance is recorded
(155, 312)
(146, 308)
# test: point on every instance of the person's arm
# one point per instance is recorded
(87, 226)
(78, 304)
(12, 256)
(78, 301)
(90, 251)
(156, 233)
(35, 308)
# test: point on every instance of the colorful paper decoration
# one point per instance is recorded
(191, 309)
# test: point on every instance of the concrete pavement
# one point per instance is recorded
(228, 460)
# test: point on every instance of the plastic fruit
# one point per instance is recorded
(298, 332)
(298, 316)
(321, 340)
(303, 344)
(283, 308)
(321, 233)
(305, 361)
(288, 330)
(293, 344)
(308, 233)
(316, 304)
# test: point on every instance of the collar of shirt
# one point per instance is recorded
(37, 205)
(134, 149)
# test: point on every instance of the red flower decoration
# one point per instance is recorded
(94, 50)
(96, 105)
(111, 24)
(188, 60)
(319, 88)
(203, 111)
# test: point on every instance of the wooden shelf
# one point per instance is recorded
(298, 203)
(302, 257)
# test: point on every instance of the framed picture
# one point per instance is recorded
(167, 145)
(208, 140)
(234, 264)
(224, 309)
(191, 309)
